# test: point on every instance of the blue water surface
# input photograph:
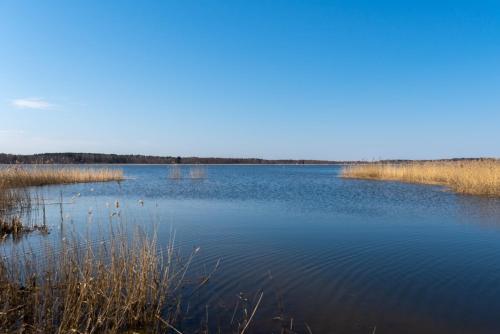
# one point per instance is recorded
(340, 255)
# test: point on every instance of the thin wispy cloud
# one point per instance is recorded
(9, 132)
(32, 103)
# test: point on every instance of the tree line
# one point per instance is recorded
(102, 158)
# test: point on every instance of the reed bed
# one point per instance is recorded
(15, 197)
(16, 177)
(11, 198)
(123, 284)
(474, 177)
(195, 173)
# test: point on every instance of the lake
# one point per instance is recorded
(340, 255)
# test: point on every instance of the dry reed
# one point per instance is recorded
(10, 198)
(15, 177)
(197, 172)
(122, 284)
(175, 172)
(14, 180)
(475, 177)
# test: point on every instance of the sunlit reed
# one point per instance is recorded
(121, 284)
(475, 177)
(14, 177)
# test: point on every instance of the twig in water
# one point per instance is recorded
(235, 309)
(168, 325)
(253, 313)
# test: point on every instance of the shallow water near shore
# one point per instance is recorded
(343, 255)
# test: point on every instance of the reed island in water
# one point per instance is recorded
(473, 177)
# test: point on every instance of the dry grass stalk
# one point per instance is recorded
(475, 177)
(12, 203)
(11, 198)
(122, 285)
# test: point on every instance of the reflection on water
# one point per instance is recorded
(480, 210)
(341, 255)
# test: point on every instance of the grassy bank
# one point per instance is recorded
(481, 177)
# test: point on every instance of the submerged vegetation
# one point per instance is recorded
(475, 177)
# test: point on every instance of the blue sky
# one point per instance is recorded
(270, 79)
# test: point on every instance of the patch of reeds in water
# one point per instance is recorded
(175, 172)
(17, 176)
(10, 198)
(13, 203)
(122, 284)
(15, 179)
(475, 177)
(197, 172)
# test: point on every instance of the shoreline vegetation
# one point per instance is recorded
(121, 284)
(471, 177)
(19, 177)
(14, 196)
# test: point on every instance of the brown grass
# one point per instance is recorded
(15, 177)
(14, 196)
(475, 177)
(123, 284)
(10, 198)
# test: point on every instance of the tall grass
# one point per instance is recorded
(122, 284)
(14, 196)
(15, 177)
(13, 203)
(475, 177)
(10, 198)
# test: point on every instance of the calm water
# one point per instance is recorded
(342, 255)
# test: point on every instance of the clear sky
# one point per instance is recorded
(271, 79)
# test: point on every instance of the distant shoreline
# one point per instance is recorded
(136, 159)
(102, 158)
